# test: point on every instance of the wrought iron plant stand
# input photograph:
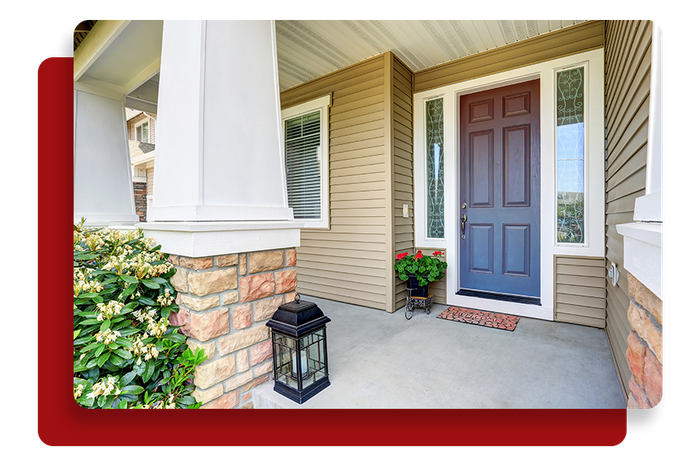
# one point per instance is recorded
(417, 301)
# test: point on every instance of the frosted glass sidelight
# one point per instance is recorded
(435, 165)
(570, 156)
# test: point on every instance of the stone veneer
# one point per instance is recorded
(224, 304)
(645, 347)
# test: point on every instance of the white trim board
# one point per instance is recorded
(594, 176)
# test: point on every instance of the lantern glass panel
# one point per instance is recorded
(313, 351)
(285, 351)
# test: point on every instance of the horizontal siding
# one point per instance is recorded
(561, 43)
(347, 262)
(579, 287)
(627, 84)
(402, 165)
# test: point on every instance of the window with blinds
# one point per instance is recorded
(142, 133)
(302, 149)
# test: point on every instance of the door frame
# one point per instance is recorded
(594, 175)
(497, 283)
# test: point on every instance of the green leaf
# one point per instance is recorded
(123, 342)
(150, 368)
(129, 307)
(101, 348)
(116, 359)
(128, 331)
(105, 325)
(129, 291)
(187, 400)
(129, 279)
(132, 390)
(88, 295)
(150, 283)
(75, 334)
(103, 358)
(127, 378)
(125, 354)
(82, 340)
(175, 337)
(88, 322)
(158, 279)
(146, 301)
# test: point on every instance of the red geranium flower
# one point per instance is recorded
(419, 255)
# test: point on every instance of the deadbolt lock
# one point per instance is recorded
(464, 205)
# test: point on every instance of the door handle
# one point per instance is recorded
(464, 225)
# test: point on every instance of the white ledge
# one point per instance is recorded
(643, 253)
(200, 239)
(651, 233)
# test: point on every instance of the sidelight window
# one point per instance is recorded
(571, 138)
(435, 168)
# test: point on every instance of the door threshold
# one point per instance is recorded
(501, 297)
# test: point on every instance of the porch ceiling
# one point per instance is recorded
(309, 49)
(306, 50)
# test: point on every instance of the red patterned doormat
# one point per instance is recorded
(480, 318)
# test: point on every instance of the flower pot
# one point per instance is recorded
(417, 290)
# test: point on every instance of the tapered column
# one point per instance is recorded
(219, 147)
(219, 185)
(102, 188)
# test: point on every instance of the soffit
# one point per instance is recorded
(309, 49)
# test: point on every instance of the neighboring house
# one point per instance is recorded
(529, 152)
(141, 131)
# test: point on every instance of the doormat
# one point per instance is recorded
(480, 318)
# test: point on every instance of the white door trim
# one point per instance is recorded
(595, 176)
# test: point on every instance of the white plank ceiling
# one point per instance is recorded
(309, 49)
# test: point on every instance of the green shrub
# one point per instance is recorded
(125, 353)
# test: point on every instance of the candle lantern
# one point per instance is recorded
(299, 354)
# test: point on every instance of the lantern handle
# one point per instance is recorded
(297, 298)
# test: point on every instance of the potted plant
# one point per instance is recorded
(420, 270)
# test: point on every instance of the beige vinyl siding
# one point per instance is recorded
(402, 149)
(149, 180)
(579, 285)
(561, 43)
(627, 77)
(348, 261)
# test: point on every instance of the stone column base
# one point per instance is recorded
(225, 302)
(645, 347)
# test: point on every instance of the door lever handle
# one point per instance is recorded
(464, 225)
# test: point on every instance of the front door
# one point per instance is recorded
(500, 192)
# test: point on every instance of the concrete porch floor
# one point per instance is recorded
(382, 360)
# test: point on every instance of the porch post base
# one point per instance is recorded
(225, 301)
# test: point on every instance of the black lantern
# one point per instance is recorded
(299, 354)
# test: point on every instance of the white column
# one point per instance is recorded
(643, 239)
(102, 189)
(219, 184)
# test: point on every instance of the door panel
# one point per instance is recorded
(481, 169)
(500, 186)
(481, 248)
(516, 167)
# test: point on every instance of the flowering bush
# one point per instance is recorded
(426, 268)
(125, 353)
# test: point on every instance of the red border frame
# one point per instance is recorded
(60, 418)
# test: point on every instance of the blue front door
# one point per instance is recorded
(500, 191)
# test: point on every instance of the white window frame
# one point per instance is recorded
(138, 130)
(321, 104)
(586, 157)
(420, 214)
